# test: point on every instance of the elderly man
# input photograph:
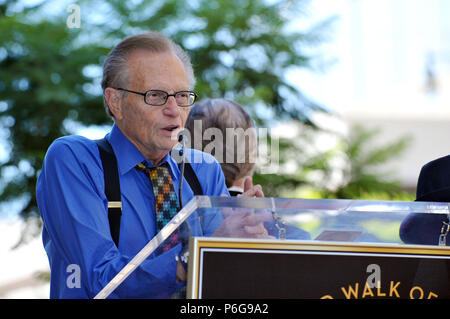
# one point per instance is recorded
(147, 84)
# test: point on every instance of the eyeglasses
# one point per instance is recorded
(158, 97)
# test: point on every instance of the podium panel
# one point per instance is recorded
(222, 268)
(305, 248)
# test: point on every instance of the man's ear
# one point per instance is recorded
(114, 101)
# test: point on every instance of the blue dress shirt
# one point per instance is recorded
(76, 234)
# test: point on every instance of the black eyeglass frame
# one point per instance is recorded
(144, 94)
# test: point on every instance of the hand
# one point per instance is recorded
(181, 273)
(239, 224)
(251, 190)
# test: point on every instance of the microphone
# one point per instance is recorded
(182, 140)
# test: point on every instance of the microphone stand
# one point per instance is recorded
(182, 152)
(184, 228)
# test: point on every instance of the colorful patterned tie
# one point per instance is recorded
(166, 206)
(166, 201)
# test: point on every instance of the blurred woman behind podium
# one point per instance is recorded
(228, 132)
(230, 137)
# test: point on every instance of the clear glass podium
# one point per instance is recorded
(307, 248)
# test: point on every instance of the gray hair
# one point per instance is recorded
(223, 114)
(115, 71)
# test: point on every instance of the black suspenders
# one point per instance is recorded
(112, 185)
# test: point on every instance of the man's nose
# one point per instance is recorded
(171, 107)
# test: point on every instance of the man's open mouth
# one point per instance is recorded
(171, 128)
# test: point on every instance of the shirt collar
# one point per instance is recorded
(128, 156)
(173, 166)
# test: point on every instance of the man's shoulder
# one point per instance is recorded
(434, 180)
(70, 159)
(441, 164)
(75, 146)
(200, 159)
(208, 171)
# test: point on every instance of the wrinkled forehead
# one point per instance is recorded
(156, 70)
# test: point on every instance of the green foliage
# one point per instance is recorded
(362, 174)
(240, 48)
(50, 74)
(352, 169)
(42, 84)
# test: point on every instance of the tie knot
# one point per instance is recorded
(155, 170)
(159, 173)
